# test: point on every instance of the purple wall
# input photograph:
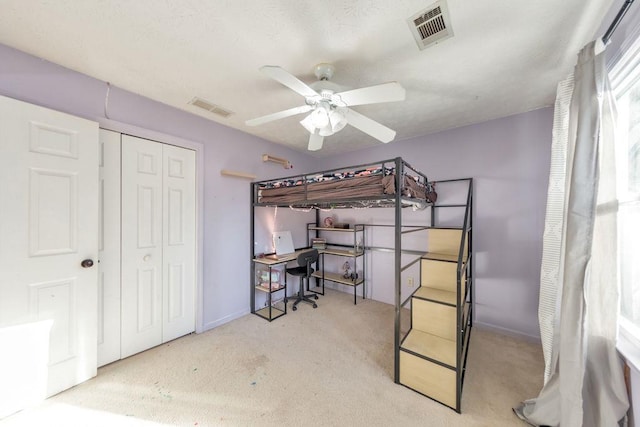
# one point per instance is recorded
(226, 200)
(508, 158)
(509, 161)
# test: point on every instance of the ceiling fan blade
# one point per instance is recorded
(279, 115)
(289, 80)
(315, 142)
(386, 92)
(370, 127)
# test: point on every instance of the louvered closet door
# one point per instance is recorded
(179, 242)
(141, 284)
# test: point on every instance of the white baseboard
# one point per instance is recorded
(506, 331)
(226, 319)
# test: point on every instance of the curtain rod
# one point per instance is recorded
(616, 21)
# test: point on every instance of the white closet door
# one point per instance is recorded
(48, 226)
(179, 237)
(109, 243)
(141, 245)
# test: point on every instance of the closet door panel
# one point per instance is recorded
(109, 244)
(142, 245)
(179, 237)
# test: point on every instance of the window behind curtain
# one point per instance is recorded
(626, 86)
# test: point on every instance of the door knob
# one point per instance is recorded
(146, 257)
(87, 263)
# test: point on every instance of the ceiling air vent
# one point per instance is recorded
(431, 25)
(212, 108)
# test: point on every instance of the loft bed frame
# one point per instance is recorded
(365, 186)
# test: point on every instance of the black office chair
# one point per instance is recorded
(303, 270)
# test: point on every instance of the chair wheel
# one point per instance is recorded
(315, 305)
(315, 296)
(294, 308)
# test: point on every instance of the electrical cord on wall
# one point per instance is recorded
(106, 101)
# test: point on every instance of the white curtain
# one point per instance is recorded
(584, 383)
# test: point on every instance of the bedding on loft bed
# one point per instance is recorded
(374, 182)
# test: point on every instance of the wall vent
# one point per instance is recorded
(431, 25)
(212, 108)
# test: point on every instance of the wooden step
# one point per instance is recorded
(433, 380)
(431, 346)
(433, 318)
(439, 275)
(445, 241)
(444, 257)
(436, 295)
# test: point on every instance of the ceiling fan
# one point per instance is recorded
(329, 108)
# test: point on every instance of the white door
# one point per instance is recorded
(158, 243)
(141, 284)
(109, 243)
(179, 248)
(48, 226)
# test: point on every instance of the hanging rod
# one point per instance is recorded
(616, 21)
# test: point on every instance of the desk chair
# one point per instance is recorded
(303, 270)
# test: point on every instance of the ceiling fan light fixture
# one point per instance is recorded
(320, 117)
(337, 120)
(308, 125)
(326, 131)
(329, 109)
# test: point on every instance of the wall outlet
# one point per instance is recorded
(410, 282)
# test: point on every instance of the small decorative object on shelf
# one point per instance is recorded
(264, 282)
(348, 272)
(342, 225)
(319, 243)
(358, 246)
(328, 222)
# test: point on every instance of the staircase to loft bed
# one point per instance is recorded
(433, 324)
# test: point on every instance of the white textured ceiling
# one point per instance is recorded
(506, 56)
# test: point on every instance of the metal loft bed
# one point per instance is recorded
(365, 185)
(391, 183)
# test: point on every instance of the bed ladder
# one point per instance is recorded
(431, 357)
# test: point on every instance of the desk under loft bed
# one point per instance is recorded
(431, 346)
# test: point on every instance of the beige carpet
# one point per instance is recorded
(332, 366)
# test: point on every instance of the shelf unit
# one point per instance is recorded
(354, 251)
(431, 357)
(273, 308)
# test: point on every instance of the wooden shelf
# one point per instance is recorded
(436, 295)
(341, 252)
(350, 230)
(275, 313)
(431, 346)
(337, 277)
(266, 290)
